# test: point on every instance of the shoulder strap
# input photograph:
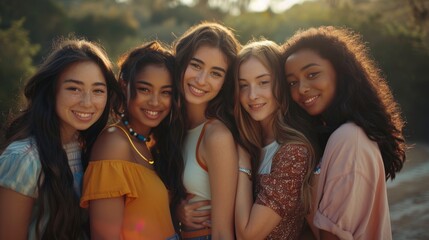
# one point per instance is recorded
(199, 161)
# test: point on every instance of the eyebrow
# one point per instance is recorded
(201, 62)
(81, 83)
(150, 84)
(303, 68)
(257, 77)
(263, 75)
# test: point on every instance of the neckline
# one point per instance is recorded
(126, 162)
(270, 145)
(149, 161)
(198, 126)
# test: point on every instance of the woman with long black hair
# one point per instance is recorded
(47, 145)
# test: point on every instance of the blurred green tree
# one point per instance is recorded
(44, 20)
(16, 54)
(397, 31)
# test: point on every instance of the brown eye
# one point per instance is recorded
(195, 65)
(313, 75)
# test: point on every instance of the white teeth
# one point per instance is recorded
(255, 106)
(83, 115)
(152, 113)
(309, 100)
(196, 90)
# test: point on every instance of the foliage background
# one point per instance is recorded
(397, 32)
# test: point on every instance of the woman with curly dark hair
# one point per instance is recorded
(359, 127)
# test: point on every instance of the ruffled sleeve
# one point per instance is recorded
(20, 168)
(281, 189)
(109, 179)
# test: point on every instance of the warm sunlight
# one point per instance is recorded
(276, 6)
(261, 5)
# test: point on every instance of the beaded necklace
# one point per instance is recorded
(132, 132)
(150, 161)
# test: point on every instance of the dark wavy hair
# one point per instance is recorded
(214, 35)
(362, 96)
(165, 136)
(40, 121)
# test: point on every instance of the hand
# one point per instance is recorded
(190, 217)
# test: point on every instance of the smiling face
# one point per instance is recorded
(204, 75)
(80, 98)
(312, 81)
(256, 94)
(152, 102)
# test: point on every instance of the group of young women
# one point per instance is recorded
(209, 140)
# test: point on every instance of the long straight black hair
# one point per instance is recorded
(40, 121)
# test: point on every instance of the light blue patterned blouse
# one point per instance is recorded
(20, 168)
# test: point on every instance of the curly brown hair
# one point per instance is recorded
(363, 95)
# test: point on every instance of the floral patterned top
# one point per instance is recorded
(280, 190)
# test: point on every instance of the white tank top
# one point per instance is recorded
(267, 154)
(195, 175)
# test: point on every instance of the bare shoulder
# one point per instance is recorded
(111, 144)
(218, 143)
(217, 131)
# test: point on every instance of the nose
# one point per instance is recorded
(253, 92)
(201, 78)
(303, 87)
(154, 100)
(86, 99)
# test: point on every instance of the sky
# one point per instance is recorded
(279, 6)
(262, 5)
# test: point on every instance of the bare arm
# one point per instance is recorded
(252, 221)
(219, 152)
(106, 217)
(258, 220)
(15, 210)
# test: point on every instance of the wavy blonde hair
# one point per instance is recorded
(269, 54)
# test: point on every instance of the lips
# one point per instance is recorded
(82, 115)
(196, 91)
(310, 100)
(256, 107)
(152, 114)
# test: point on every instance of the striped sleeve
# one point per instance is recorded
(20, 168)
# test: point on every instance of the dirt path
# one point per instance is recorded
(409, 196)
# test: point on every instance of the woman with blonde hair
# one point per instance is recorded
(276, 158)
